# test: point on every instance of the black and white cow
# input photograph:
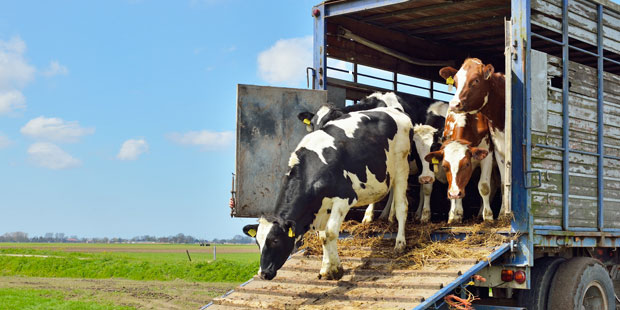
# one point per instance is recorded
(428, 138)
(351, 161)
(416, 108)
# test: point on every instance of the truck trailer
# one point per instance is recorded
(561, 60)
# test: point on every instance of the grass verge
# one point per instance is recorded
(115, 265)
(35, 299)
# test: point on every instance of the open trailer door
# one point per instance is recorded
(267, 132)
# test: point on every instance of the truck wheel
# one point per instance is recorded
(582, 283)
(540, 279)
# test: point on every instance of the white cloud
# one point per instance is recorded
(15, 74)
(206, 140)
(4, 141)
(131, 149)
(55, 68)
(55, 129)
(286, 61)
(11, 100)
(49, 155)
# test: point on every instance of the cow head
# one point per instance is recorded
(473, 85)
(316, 121)
(423, 136)
(276, 241)
(456, 159)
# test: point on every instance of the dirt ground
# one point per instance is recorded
(137, 294)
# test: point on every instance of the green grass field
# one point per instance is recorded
(36, 299)
(161, 262)
(119, 276)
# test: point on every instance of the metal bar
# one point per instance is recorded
(557, 148)
(346, 7)
(456, 25)
(463, 278)
(319, 55)
(583, 51)
(565, 118)
(417, 10)
(445, 16)
(583, 229)
(599, 111)
(536, 35)
(520, 200)
(374, 77)
(612, 61)
(547, 227)
(347, 34)
(338, 69)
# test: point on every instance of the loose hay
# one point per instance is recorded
(371, 241)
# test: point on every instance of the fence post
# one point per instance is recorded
(214, 252)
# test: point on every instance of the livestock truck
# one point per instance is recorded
(562, 65)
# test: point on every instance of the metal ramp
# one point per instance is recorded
(368, 283)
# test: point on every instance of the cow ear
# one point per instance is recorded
(437, 156)
(289, 228)
(447, 72)
(488, 71)
(479, 153)
(303, 116)
(250, 230)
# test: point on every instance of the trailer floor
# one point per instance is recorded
(369, 282)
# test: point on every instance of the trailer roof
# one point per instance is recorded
(453, 31)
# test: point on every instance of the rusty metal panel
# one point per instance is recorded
(267, 132)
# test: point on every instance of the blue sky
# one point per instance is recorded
(117, 118)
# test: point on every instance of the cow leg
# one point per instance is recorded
(426, 190)
(456, 211)
(418, 211)
(387, 213)
(368, 215)
(400, 202)
(331, 268)
(484, 187)
(501, 164)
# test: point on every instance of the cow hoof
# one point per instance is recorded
(332, 274)
(426, 217)
(455, 220)
(400, 246)
(488, 216)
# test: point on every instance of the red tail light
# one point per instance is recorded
(520, 276)
(508, 275)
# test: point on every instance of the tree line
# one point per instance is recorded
(19, 236)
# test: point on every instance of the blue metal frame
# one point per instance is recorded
(521, 131)
(357, 6)
(436, 300)
(565, 119)
(599, 110)
(319, 55)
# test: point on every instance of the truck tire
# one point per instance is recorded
(540, 279)
(582, 283)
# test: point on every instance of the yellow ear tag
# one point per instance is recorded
(435, 165)
(306, 121)
(291, 234)
(450, 82)
(252, 232)
(435, 161)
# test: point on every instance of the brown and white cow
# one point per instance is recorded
(479, 89)
(466, 147)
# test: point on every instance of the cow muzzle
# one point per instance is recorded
(267, 274)
(456, 194)
(426, 179)
(456, 105)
